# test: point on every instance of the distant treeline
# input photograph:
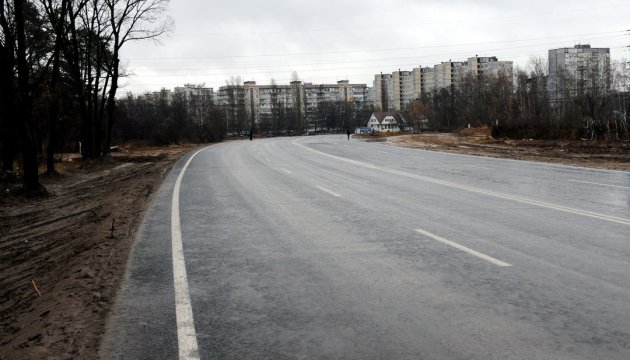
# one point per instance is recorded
(163, 118)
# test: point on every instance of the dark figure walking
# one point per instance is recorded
(348, 133)
(251, 134)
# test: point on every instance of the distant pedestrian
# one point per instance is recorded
(348, 133)
(251, 134)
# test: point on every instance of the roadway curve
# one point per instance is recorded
(320, 247)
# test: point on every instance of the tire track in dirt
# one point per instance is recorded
(63, 244)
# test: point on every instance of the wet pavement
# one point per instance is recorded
(323, 248)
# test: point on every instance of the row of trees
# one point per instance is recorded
(164, 118)
(524, 107)
(171, 117)
(59, 74)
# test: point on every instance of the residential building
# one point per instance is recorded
(382, 91)
(396, 90)
(195, 93)
(577, 69)
(403, 89)
(261, 100)
(387, 121)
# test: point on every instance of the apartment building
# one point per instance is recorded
(395, 91)
(259, 100)
(195, 93)
(382, 91)
(489, 66)
(576, 69)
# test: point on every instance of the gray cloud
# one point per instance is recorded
(328, 40)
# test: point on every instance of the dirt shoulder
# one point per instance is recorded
(610, 155)
(63, 256)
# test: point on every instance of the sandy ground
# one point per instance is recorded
(63, 256)
(611, 155)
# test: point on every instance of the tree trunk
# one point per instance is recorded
(111, 102)
(7, 95)
(73, 56)
(26, 129)
(53, 114)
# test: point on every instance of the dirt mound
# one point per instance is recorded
(481, 132)
(63, 256)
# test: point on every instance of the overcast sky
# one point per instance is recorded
(325, 41)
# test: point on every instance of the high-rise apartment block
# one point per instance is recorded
(396, 90)
(195, 93)
(260, 100)
(577, 69)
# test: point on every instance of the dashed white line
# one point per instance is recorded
(478, 167)
(286, 171)
(600, 184)
(382, 152)
(328, 191)
(186, 334)
(463, 248)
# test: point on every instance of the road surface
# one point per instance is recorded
(323, 248)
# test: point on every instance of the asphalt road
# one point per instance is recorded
(323, 248)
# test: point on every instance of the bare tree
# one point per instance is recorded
(56, 13)
(417, 114)
(384, 95)
(131, 20)
(24, 100)
(298, 103)
(236, 109)
(621, 88)
(276, 126)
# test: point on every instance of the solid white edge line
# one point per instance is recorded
(186, 334)
(615, 219)
(328, 191)
(463, 248)
(594, 183)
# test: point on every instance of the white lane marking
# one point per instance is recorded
(286, 171)
(361, 148)
(267, 160)
(615, 219)
(463, 248)
(478, 167)
(594, 183)
(186, 334)
(328, 191)
(346, 145)
(382, 152)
